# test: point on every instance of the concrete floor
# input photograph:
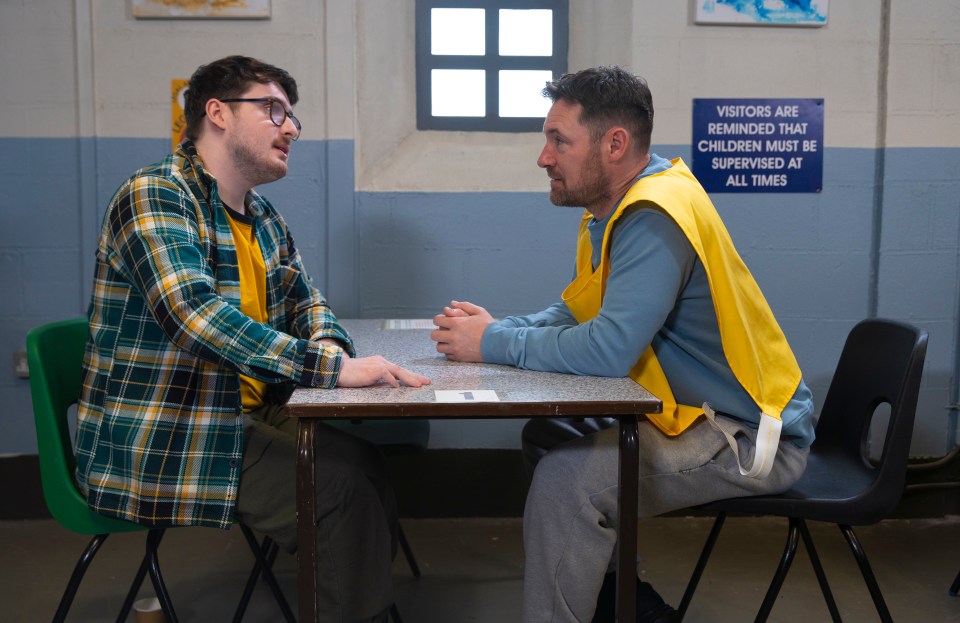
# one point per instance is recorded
(472, 570)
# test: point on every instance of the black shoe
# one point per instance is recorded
(650, 606)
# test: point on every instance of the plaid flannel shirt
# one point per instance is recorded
(160, 428)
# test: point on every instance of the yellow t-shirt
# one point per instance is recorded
(253, 295)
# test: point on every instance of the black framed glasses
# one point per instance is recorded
(278, 114)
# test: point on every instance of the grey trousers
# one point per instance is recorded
(356, 511)
(570, 521)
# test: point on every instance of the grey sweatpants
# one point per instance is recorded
(356, 511)
(570, 522)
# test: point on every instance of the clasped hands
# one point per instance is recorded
(460, 330)
(458, 335)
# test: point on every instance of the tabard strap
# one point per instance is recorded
(768, 440)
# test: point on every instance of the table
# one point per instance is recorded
(519, 394)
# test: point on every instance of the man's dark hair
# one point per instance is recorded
(226, 78)
(609, 96)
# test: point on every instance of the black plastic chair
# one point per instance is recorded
(55, 356)
(881, 362)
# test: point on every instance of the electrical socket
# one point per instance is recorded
(20, 367)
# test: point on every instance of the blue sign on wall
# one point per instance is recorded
(758, 145)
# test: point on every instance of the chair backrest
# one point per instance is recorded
(881, 362)
(55, 357)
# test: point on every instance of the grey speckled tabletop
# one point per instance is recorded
(481, 390)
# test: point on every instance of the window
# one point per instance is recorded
(481, 64)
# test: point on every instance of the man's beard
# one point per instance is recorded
(594, 187)
(256, 170)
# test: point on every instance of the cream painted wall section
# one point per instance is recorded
(135, 60)
(339, 81)
(50, 49)
(838, 62)
(39, 93)
(924, 78)
(681, 61)
(393, 156)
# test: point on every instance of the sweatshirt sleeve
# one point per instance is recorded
(650, 261)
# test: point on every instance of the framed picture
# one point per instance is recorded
(201, 9)
(762, 12)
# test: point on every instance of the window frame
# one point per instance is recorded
(491, 63)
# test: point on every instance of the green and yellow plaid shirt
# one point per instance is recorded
(160, 428)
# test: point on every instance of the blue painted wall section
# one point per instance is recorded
(919, 272)
(407, 254)
(511, 252)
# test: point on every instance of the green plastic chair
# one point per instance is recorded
(55, 357)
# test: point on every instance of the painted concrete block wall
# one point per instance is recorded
(919, 225)
(918, 272)
(393, 221)
(39, 230)
(817, 257)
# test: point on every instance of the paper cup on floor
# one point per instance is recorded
(148, 610)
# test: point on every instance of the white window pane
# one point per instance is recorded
(458, 93)
(457, 32)
(526, 32)
(520, 93)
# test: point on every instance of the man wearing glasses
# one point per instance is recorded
(202, 321)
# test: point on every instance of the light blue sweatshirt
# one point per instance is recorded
(656, 293)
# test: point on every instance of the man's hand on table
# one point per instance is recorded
(460, 330)
(366, 371)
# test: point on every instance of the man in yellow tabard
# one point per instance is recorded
(661, 295)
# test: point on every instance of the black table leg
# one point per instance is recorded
(627, 549)
(306, 520)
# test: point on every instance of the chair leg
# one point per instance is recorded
(77, 576)
(408, 553)
(818, 570)
(153, 541)
(866, 572)
(134, 589)
(268, 549)
(395, 614)
(789, 551)
(701, 564)
(955, 587)
(265, 555)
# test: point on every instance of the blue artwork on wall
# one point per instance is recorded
(763, 12)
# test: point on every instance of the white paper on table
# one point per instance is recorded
(467, 395)
(408, 323)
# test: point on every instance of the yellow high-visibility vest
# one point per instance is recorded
(753, 343)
